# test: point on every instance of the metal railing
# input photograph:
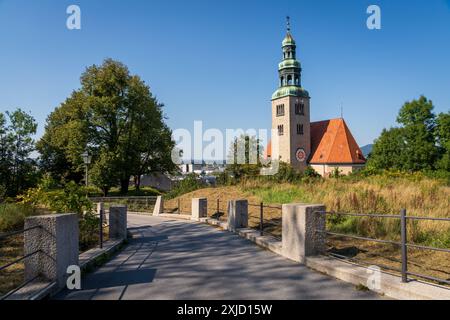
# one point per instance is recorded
(263, 223)
(403, 244)
(103, 224)
(134, 203)
(6, 235)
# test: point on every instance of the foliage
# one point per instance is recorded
(412, 146)
(12, 215)
(89, 230)
(17, 168)
(443, 137)
(190, 183)
(116, 118)
(244, 157)
(70, 198)
(336, 173)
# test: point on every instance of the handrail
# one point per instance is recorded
(13, 233)
(18, 288)
(403, 244)
(380, 215)
(18, 260)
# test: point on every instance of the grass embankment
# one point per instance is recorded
(376, 194)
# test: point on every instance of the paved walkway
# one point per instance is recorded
(169, 259)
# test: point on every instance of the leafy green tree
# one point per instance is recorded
(412, 146)
(244, 157)
(116, 118)
(419, 150)
(17, 168)
(443, 138)
(387, 150)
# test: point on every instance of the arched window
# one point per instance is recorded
(282, 81)
(289, 80)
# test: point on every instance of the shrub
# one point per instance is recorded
(89, 226)
(71, 198)
(190, 183)
(12, 216)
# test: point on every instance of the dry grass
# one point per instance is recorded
(11, 249)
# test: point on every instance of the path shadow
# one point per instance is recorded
(118, 279)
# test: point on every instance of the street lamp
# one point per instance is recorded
(87, 161)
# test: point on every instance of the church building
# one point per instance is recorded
(323, 145)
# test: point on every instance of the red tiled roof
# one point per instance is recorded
(332, 142)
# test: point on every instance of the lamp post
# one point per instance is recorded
(87, 161)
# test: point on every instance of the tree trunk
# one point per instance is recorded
(137, 183)
(124, 184)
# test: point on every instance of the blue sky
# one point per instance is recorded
(216, 61)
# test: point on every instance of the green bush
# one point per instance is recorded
(89, 226)
(190, 183)
(71, 198)
(12, 216)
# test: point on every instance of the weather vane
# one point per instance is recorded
(288, 19)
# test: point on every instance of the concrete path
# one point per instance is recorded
(169, 259)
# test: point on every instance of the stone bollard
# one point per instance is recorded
(159, 206)
(299, 231)
(199, 208)
(57, 240)
(237, 214)
(118, 222)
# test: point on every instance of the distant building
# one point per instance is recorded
(190, 167)
(324, 145)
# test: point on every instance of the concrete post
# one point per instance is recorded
(237, 214)
(299, 231)
(199, 208)
(159, 206)
(57, 240)
(118, 222)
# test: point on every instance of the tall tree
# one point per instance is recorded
(17, 168)
(412, 146)
(443, 138)
(115, 117)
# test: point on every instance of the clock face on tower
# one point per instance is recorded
(300, 155)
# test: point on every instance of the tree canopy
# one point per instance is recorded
(115, 117)
(17, 168)
(419, 143)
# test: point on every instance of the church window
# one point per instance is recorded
(289, 80)
(300, 109)
(280, 110)
(300, 129)
(280, 130)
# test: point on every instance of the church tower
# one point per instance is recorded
(291, 109)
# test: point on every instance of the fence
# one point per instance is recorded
(177, 206)
(137, 204)
(43, 244)
(403, 244)
(269, 226)
(18, 260)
